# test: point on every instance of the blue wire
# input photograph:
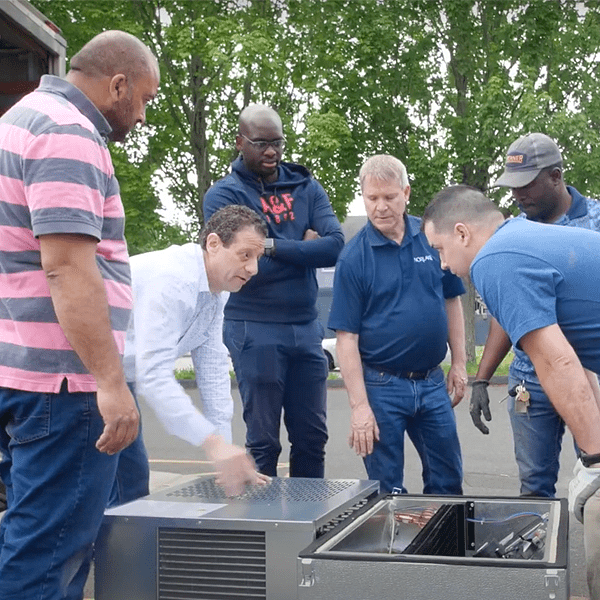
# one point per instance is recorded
(515, 516)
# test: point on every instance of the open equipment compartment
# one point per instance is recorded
(435, 548)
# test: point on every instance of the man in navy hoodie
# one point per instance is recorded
(271, 327)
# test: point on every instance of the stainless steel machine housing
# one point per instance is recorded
(191, 542)
(311, 539)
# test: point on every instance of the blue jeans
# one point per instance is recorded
(537, 435)
(282, 367)
(57, 484)
(422, 409)
(132, 480)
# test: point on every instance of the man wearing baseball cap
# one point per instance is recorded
(534, 172)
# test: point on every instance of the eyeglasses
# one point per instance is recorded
(262, 145)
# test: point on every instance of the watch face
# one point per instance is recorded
(269, 246)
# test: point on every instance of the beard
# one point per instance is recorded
(120, 118)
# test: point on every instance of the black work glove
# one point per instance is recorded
(480, 403)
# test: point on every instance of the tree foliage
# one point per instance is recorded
(135, 162)
(445, 86)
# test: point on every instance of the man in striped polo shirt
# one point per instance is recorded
(65, 302)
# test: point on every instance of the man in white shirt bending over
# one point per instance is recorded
(179, 294)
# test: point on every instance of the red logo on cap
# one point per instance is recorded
(515, 158)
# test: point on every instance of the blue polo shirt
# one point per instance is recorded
(393, 295)
(531, 275)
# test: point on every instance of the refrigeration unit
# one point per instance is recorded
(191, 542)
(311, 539)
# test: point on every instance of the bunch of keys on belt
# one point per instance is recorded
(522, 397)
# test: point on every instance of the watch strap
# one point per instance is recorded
(587, 460)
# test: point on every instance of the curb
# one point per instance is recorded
(190, 384)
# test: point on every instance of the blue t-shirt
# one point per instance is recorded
(583, 212)
(393, 295)
(532, 275)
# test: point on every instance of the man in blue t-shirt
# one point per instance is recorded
(394, 311)
(271, 327)
(534, 173)
(541, 283)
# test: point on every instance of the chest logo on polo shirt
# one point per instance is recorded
(279, 207)
(422, 259)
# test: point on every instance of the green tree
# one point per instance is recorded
(136, 162)
(444, 86)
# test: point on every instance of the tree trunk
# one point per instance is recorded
(468, 303)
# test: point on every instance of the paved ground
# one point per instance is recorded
(489, 465)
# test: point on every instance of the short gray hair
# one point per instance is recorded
(227, 221)
(384, 167)
(458, 204)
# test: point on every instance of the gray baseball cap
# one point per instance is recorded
(526, 157)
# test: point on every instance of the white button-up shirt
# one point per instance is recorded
(175, 314)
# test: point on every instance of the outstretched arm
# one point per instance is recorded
(496, 348)
(456, 382)
(566, 384)
(363, 427)
(81, 305)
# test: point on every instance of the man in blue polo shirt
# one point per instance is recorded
(394, 311)
(540, 282)
(533, 171)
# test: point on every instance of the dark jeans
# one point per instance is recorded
(58, 485)
(132, 480)
(281, 367)
(423, 410)
(537, 435)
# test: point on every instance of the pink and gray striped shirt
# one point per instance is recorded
(56, 176)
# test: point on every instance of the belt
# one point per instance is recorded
(405, 374)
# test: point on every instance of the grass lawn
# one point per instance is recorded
(185, 374)
(472, 367)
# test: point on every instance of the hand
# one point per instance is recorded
(310, 234)
(585, 483)
(363, 430)
(235, 468)
(480, 403)
(456, 383)
(262, 479)
(121, 419)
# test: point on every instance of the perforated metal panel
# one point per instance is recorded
(289, 490)
(197, 564)
(191, 542)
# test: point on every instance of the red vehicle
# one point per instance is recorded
(30, 46)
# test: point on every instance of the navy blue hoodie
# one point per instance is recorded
(285, 288)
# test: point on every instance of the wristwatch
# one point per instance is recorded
(587, 460)
(269, 247)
